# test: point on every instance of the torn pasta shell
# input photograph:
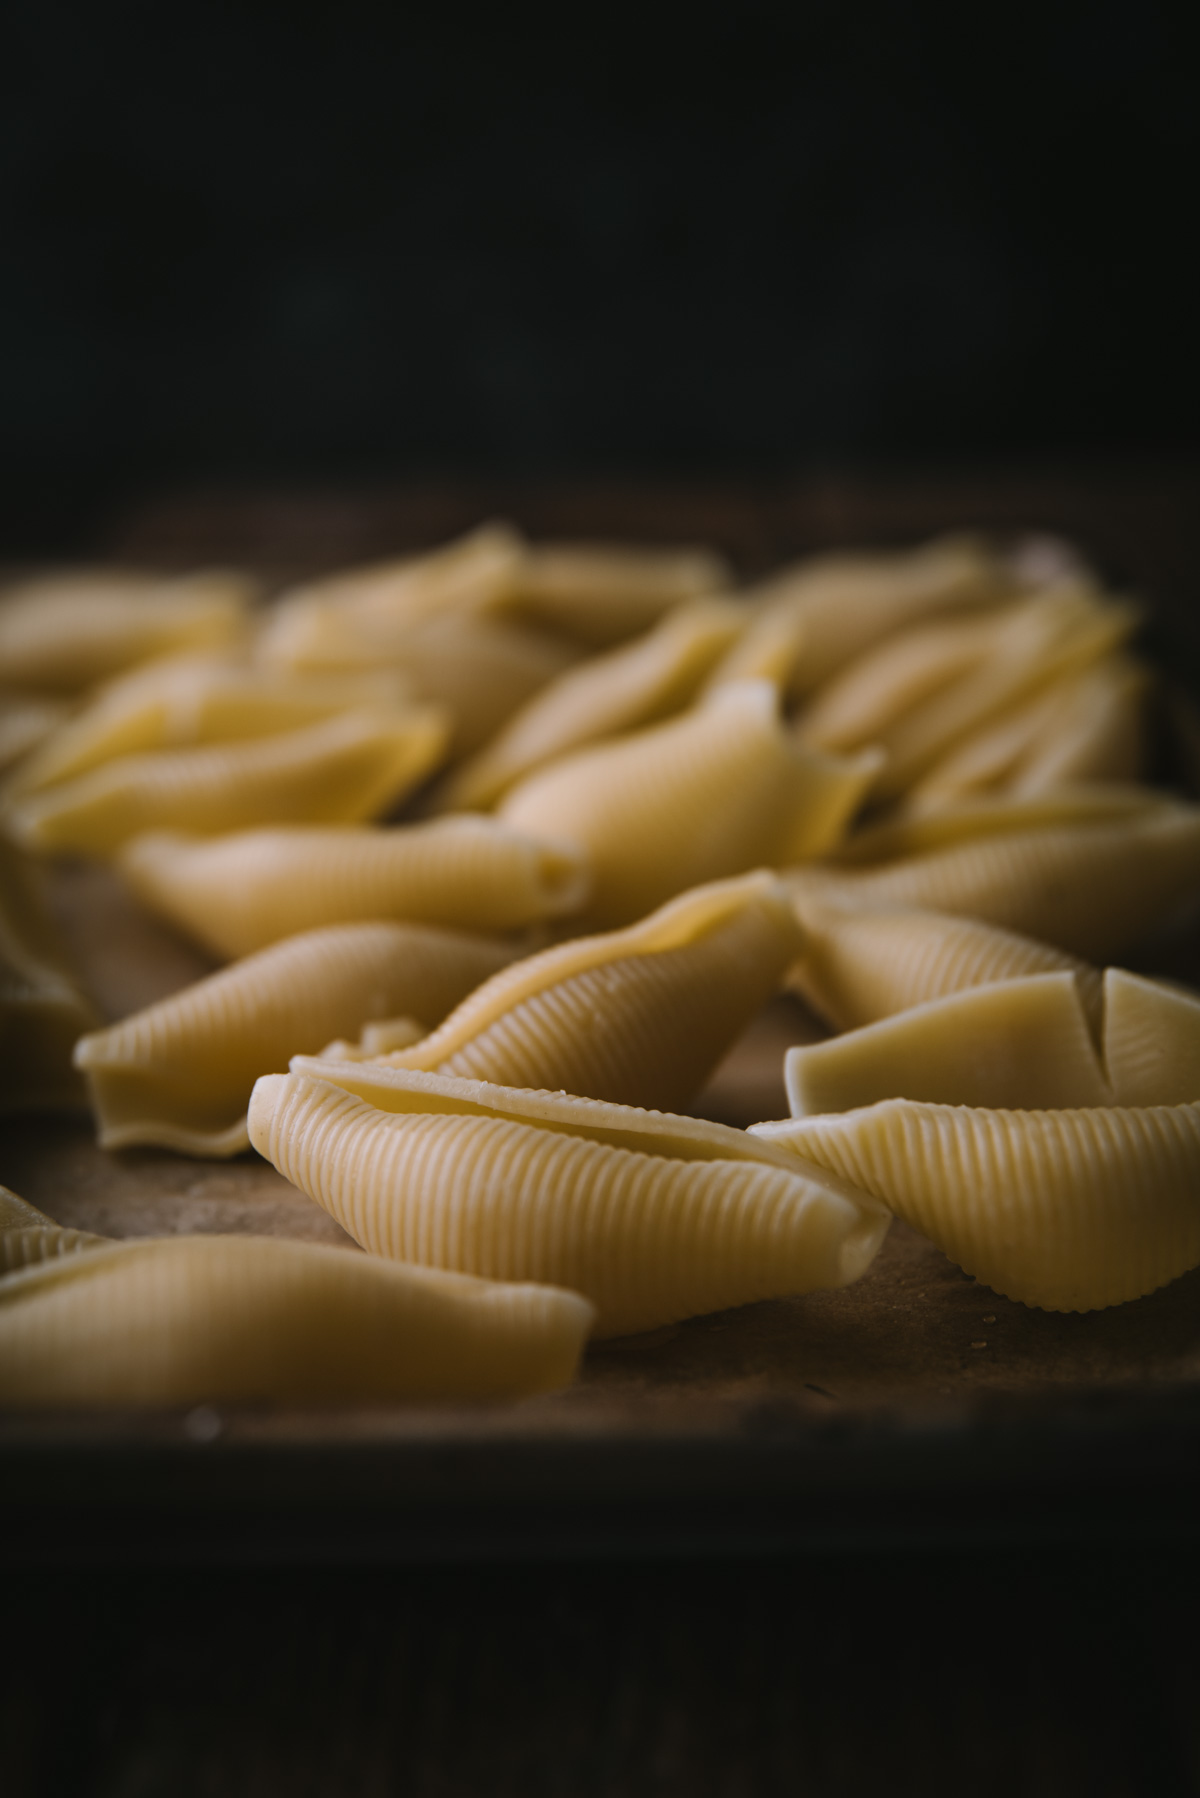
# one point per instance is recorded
(640, 1016)
(638, 684)
(345, 769)
(188, 1320)
(712, 793)
(1065, 1210)
(1017, 1045)
(652, 1217)
(862, 962)
(180, 1072)
(42, 1011)
(237, 893)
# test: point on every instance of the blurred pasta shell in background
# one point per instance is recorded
(42, 1010)
(605, 593)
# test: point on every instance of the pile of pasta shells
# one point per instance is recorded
(502, 848)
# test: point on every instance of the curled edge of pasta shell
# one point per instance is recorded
(653, 1217)
(1062, 1210)
(186, 1320)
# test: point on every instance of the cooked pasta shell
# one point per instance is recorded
(1019, 1045)
(845, 602)
(1090, 889)
(197, 698)
(188, 1320)
(605, 593)
(862, 963)
(652, 1217)
(719, 790)
(42, 1011)
(1151, 1040)
(347, 768)
(1066, 1210)
(237, 893)
(64, 632)
(28, 1237)
(640, 1016)
(644, 681)
(180, 1072)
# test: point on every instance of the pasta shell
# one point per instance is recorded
(42, 1011)
(652, 1217)
(1066, 1210)
(200, 1319)
(180, 1072)
(985, 815)
(640, 1016)
(1090, 889)
(28, 1237)
(861, 964)
(1151, 1040)
(638, 684)
(64, 632)
(237, 893)
(710, 794)
(26, 720)
(604, 594)
(1019, 1045)
(347, 768)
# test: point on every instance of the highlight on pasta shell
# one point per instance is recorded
(641, 1015)
(42, 1011)
(179, 1073)
(863, 962)
(652, 1217)
(1089, 889)
(1017, 1045)
(189, 1320)
(345, 769)
(239, 892)
(605, 593)
(1066, 1210)
(719, 790)
(640, 683)
(62, 632)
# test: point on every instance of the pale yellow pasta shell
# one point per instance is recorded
(1017, 1045)
(521, 1186)
(26, 720)
(1151, 1040)
(42, 1011)
(1066, 1210)
(180, 1072)
(28, 1237)
(237, 893)
(225, 1319)
(985, 815)
(649, 679)
(719, 790)
(862, 963)
(65, 632)
(606, 593)
(640, 1016)
(345, 769)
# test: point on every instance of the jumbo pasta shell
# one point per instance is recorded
(345, 769)
(27, 1236)
(226, 1319)
(1017, 1045)
(1065, 1210)
(639, 1016)
(1151, 1040)
(1003, 814)
(606, 593)
(180, 1073)
(540, 1186)
(26, 720)
(237, 893)
(710, 794)
(42, 1011)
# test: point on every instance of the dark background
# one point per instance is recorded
(252, 242)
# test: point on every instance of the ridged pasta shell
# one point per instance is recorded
(64, 632)
(635, 685)
(27, 1236)
(605, 593)
(652, 1217)
(187, 1320)
(345, 769)
(180, 1072)
(237, 893)
(196, 698)
(1066, 1210)
(640, 1016)
(719, 790)
(42, 1011)
(1018, 1045)
(1151, 1040)
(1090, 889)
(862, 963)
